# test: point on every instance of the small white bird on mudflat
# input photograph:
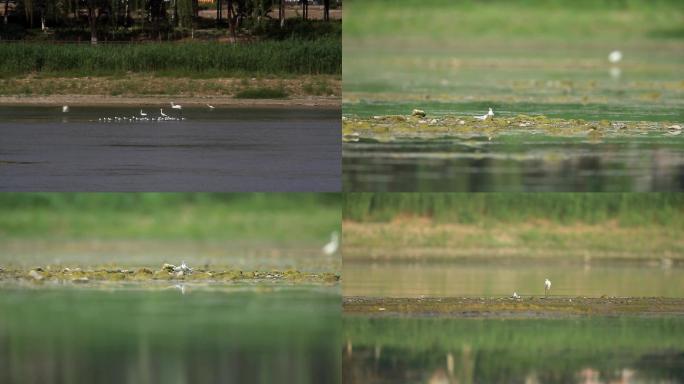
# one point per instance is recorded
(485, 116)
(547, 287)
(182, 269)
(333, 244)
(515, 295)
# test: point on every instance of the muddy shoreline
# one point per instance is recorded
(500, 307)
(168, 272)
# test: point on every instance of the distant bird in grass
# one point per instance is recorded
(333, 244)
(547, 287)
(615, 57)
(485, 116)
(65, 108)
(515, 295)
(211, 107)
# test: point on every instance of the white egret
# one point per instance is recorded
(210, 106)
(615, 56)
(175, 106)
(182, 269)
(65, 108)
(161, 111)
(333, 244)
(547, 287)
(485, 116)
(142, 113)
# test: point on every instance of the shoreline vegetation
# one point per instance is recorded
(526, 307)
(576, 228)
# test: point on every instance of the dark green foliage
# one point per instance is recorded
(323, 56)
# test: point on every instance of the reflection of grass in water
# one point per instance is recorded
(267, 217)
(166, 337)
(497, 350)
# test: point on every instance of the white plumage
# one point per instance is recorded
(333, 244)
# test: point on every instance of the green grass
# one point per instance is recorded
(275, 218)
(632, 209)
(262, 93)
(299, 57)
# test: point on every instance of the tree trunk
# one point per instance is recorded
(92, 19)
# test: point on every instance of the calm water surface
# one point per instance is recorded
(583, 350)
(220, 150)
(480, 279)
(161, 335)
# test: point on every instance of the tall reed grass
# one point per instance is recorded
(627, 208)
(321, 56)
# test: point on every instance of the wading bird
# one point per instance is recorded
(210, 106)
(615, 57)
(161, 111)
(175, 106)
(485, 116)
(547, 287)
(65, 108)
(142, 113)
(333, 244)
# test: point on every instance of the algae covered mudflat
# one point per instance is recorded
(566, 116)
(513, 307)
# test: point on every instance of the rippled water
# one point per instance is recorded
(516, 163)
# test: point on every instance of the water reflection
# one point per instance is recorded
(604, 350)
(163, 336)
(536, 163)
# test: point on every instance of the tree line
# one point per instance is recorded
(153, 16)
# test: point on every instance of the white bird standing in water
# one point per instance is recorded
(210, 106)
(485, 116)
(547, 287)
(333, 244)
(175, 106)
(65, 108)
(615, 57)
(161, 111)
(142, 113)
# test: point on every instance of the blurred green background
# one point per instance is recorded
(253, 230)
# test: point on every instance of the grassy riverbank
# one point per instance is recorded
(571, 227)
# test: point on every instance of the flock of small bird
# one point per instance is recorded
(144, 116)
